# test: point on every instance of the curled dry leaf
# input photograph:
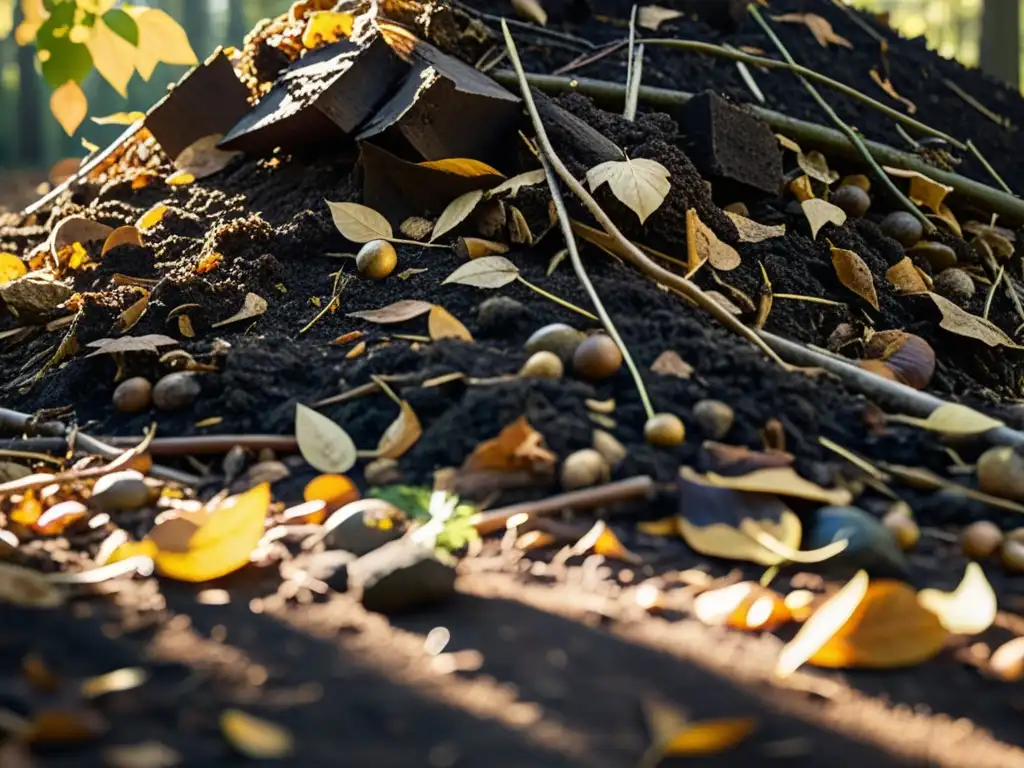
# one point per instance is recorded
(855, 274)
(399, 312)
(753, 232)
(325, 27)
(444, 325)
(401, 435)
(513, 185)
(669, 363)
(326, 446)
(702, 244)
(255, 738)
(456, 212)
(746, 606)
(485, 272)
(119, 118)
(517, 446)
(801, 188)
(202, 158)
(821, 212)
(359, 223)
(11, 268)
(782, 481)
(970, 609)
(963, 323)
(152, 217)
(672, 734)
(253, 306)
(653, 16)
(531, 10)
(639, 184)
(469, 248)
(76, 229)
(886, 85)
(121, 236)
(923, 190)
(601, 540)
(953, 419)
(179, 179)
(462, 166)
(819, 27)
(127, 319)
(148, 343)
(905, 278)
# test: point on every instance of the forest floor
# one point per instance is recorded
(543, 655)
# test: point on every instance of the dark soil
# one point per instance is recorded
(549, 658)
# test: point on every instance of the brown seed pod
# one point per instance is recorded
(175, 391)
(981, 539)
(902, 227)
(597, 358)
(133, 395)
(1001, 473)
(584, 468)
(664, 429)
(900, 356)
(543, 365)
(853, 201)
(376, 259)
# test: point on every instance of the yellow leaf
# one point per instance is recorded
(702, 244)
(855, 274)
(444, 325)
(69, 105)
(970, 609)
(336, 490)
(160, 39)
(401, 435)
(783, 481)
(11, 267)
(152, 217)
(119, 118)
(324, 27)
(326, 446)
(745, 606)
(903, 276)
(179, 179)
(602, 541)
(462, 166)
(953, 419)
(121, 236)
(134, 313)
(667, 526)
(923, 190)
(112, 55)
(821, 212)
(801, 188)
(255, 738)
(33, 13)
(673, 736)
(640, 184)
(531, 10)
(224, 542)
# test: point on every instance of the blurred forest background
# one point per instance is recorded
(977, 32)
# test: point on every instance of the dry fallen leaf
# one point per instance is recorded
(462, 166)
(399, 312)
(819, 27)
(702, 244)
(963, 323)
(601, 540)
(673, 735)
(179, 179)
(485, 272)
(970, 609)
(11, 267)
(821, 212)
(903, 275)
(149, 343)
(669, 363)
(121, 236)
(517, 446)
(953, 419)
(401, 435)
(1007, 661)
(322, 443)
(254, 306)
(531, 10)
(255, 738)
(127, 319)
(359, 223)
(923, 190)
(147, 754)
(76, 229)
(653, 16)
(801, 188)
(202, 158)
(152, 217)
(468, 248)
(513, 185)
(456, 212)
(855, 274)
(886, 85)
(782, 481)
(443, 325)
(745, 606)
(640, 184)
(753, 232)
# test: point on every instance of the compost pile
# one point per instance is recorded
(308, 343)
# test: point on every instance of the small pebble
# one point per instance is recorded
(903, 528)
(854, 201)
(543, 365)
(498, 312)
(664, 429)
(120, 492)
(382, 472)
(133, 395)
(597, 358)
(1001, 473)
(955, 284)
(608, 446)
(176, 391)
(981, 539)
(902, 227)
(714, 418)
(1012, 555)
(559, 338)
(937, 255)
(584, 468)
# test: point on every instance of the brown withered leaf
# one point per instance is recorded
(399, 312)
(134, 313)
(753, 232)
(702, 244)
(669, 363)
(924, 191)
(76, 229)
(204, 158)
(801, 188)
(444, 325)
(121, 236)
(819, 27)
(653, 16)
(886, 85)
(401, 435)
(903, 276)
(963, 323)
(672, 734)
(253, 306)
(601, 540)
(855, 274)
(148, 343)
(821, 212)
(517, 446)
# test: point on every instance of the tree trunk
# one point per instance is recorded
(30, 109)
(195, 20)
(237, 28)
(1000, 36)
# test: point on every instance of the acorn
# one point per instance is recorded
(853, 200)
(597, 358)
(120, 492)
(584, 468)
(1001, 473)
(559, 338)
(176, 391)
(664, 429)
(1012, 555)
(714, 418)
(981, 539)
(608, 446)
(955, 284)
(902, 227)
(133, 395)
(909, 358)
(899, 521)
(543, 365)
(376, 259)
(937, 255)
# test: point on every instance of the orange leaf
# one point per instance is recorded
(444, 325)
(517, 446)
(28, 510)
(886, 85)
(819, 27)
(336, 490)
(121, 236)
(602, 541)
(401, 435)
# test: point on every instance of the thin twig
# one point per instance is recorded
(854, 16)
(747, 76)
(811, 299)
(572, 41)
(992, 291)
(556, 299)
(630, 56)
(590, 58)
(595, 299)
(856, 140)
(634, 254)
(914, 143)
(988, 167)
(633, 93)
(1002, 122)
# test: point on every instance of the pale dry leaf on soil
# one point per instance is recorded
(485, 272)
(531, 10)
(855, 274)
(923, 190)
(753, 232)
(905, 278)
(399, 312)
(149, 343)
(702, 244)
(669, 363)
(968, 610)
(152, 217)
(462, 166)
(401, 435)
(601, 540)
(358, 223)
(819, 27)
(514, 184)
(640, 184)
(673, 734)
(77, 229)
(442, 324)
(254, 737)
(469, 248)
(556, 260)
(179, 179)
(653, 16)
(821, 212)
(724, 301)
(746, 606)
(146, 754)
(815, 165)
(323, 444)
(121, 236)
(456, 212)
(782, 481)
(886, 85)
(1007, 661)
(961, 322)
(953, 419)
(254, 305)
(127, 319)
(202, 158)
(11, 267)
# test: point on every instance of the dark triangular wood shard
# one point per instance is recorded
(208, 100)
(324, 95)
(443, 109)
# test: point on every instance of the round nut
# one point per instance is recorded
(597, 358)
(1007, 661)
(902, 227)
(938, 255)
(559, 338)
(714, 418)
(176, 391)
(955, 284)
(584, 468)
(376, 259)
(981, 539)
(664, 429)
(853, 200)
(1012, 555)
(608, 446)
(133, 395)
(1001, 473)
(903, 528)
(120, 492)
(543, 365)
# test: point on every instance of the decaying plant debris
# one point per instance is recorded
(312, 355)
